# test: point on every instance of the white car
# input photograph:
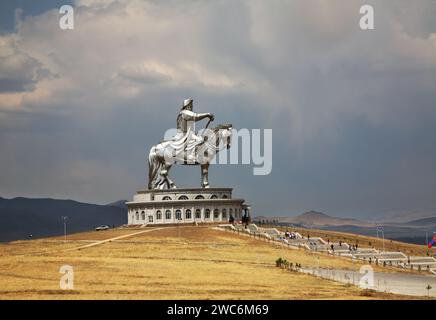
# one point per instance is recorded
(104, 227)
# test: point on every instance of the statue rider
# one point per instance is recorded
(186, 136)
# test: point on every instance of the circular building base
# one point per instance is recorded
(174, 206)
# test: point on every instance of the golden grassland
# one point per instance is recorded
(167, 263)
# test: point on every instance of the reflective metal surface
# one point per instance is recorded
(187, 147)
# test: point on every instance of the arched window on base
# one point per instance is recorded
(188, 214)
(178, 215)
(198, 214)
(168, 215)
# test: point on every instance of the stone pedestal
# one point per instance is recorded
(172, 206)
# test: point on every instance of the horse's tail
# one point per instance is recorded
(154, 168)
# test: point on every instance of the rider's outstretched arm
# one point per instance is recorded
(192, 116)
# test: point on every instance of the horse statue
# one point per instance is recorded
(187, 148)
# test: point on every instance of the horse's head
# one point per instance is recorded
(224, 132)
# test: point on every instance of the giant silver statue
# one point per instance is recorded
(187, 147)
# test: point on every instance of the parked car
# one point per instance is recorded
(103, 227)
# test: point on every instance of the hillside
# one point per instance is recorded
(412, 231)
(167, 263)
(369, 240)
(21, 217)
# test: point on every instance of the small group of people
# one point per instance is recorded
(351, 247)
(290, 235)
(354, 247)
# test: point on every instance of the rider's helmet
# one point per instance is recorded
(187, 103)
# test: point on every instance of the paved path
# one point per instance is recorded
(97, 243)
(92, 244)
(399, 283)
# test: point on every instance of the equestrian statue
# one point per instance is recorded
(187, 147)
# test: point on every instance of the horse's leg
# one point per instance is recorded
(164, 174)
(170, 183)
(205, 175)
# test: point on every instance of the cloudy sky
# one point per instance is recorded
(353, 112)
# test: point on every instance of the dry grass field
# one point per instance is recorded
(166, 263)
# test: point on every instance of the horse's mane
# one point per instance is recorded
(222, 127)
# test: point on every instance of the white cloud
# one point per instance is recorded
(18, 70)
(178, 74)
(306, 60)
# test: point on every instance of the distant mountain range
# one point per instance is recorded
(402, 216)
(423, 222)
(414, 231)
(120, 204)
(317, 219)
(22, 217)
